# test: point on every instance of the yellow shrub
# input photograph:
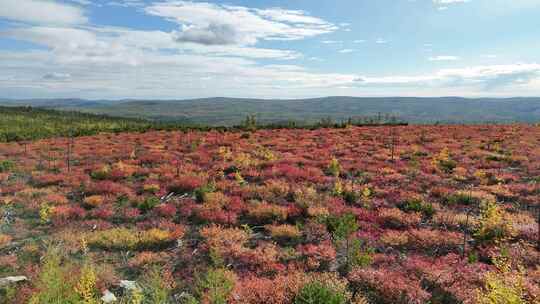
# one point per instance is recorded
(444, 162)
(394, 238)
(503, 286)
(86, 287)
(334, 168)
(4, 239)
(494, 224)
(265, 154)
(284, 231)
(127, 239)
(45, 212)
(316, 211)
(151, 188)
(116, 238)
(268, 212)
(244, 160)
(305, 196)
(154, 237)
(277, 188)
(338, 188)
(216, 199)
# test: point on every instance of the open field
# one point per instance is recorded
(400, 214)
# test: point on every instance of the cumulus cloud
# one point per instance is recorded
(106, 44)
(41, 12)
(213, 34)
(213, 24)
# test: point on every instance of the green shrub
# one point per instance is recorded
(148, 204)
(463, 198)
(54, 283)
(201, 192)
(216, 286)
(7, 294)
(359, 254)
(342, 226)
(317, 293)
(417, 205)
(156, 289)
(351, 196)
(6, 165)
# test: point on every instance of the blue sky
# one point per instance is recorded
(268, 48)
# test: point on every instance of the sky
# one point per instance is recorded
(116, 49)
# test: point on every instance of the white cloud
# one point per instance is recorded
(331, 41)
(346, 51)
(213, 34)
(381, 41)
(212, 24)
(483, 78)
(158, 75)
(292, 16)
(444, 58)
(104, 44)
(41, 12)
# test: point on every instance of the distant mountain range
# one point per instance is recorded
(230, 111)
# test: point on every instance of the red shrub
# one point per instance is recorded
(107, 187)
(130, 214)
(62, 214)
(389, 286)
(45, 180)
(103, 213)
(186, 183)
(166, 210)
(317, 256)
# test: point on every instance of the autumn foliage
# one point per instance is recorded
(446, 214)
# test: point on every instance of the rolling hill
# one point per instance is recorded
(230, 111)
